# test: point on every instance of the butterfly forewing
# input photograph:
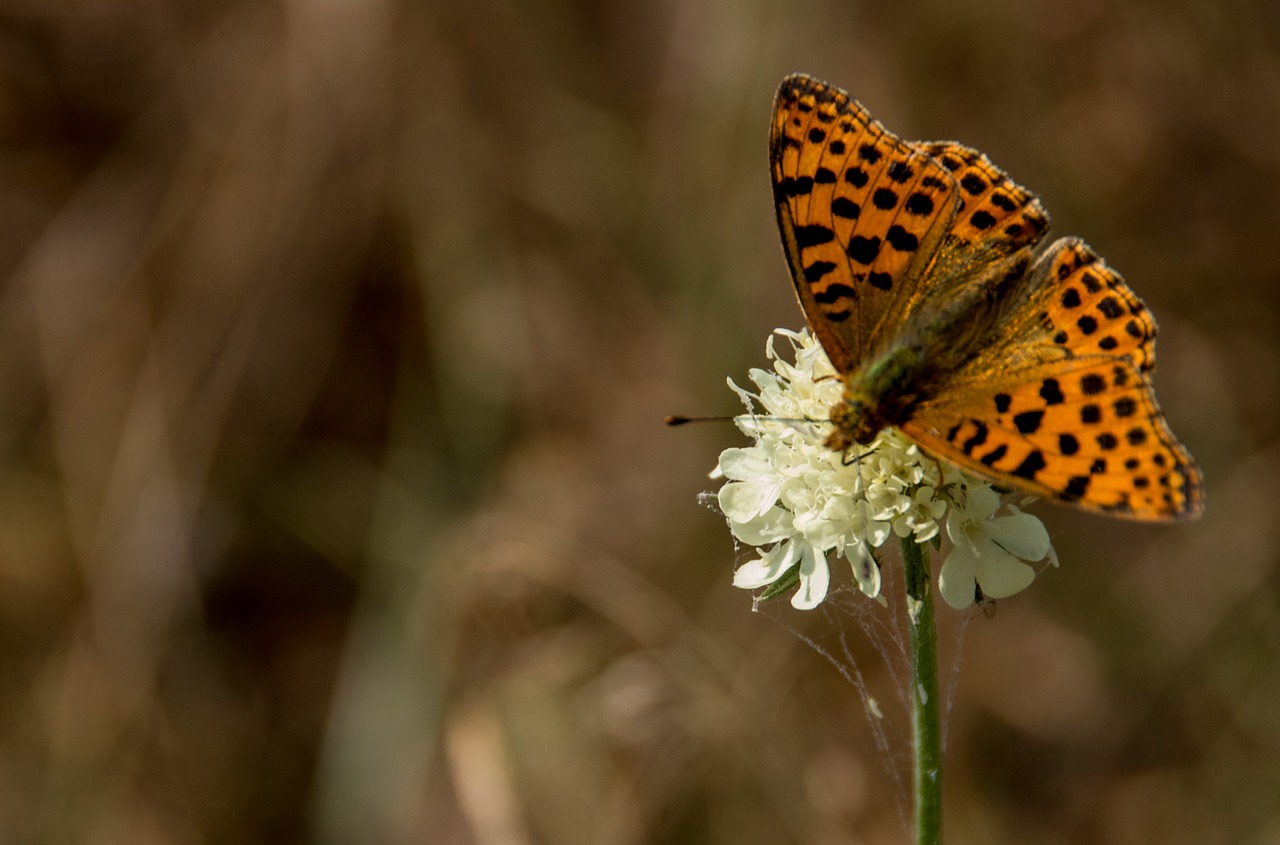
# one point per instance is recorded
(861, 212)
(997, 215)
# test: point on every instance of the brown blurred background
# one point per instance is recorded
(335, 505)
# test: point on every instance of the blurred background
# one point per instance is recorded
(335, 340)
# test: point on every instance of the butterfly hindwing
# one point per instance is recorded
(1084, 431)
(1059, 400)
(862, 214)
(1090, 308)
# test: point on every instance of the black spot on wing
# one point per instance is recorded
(862, 249)
(813, 235)
(794, 186)
(994, 455)
(902, 240)
(817, 270)
(834, 292)
(1030, 465)
(1028, 422)
(1003, 201)
(1110, 307)
(982, 220)
(856, 176)
(846, 208)
(1076, 487)
(979, 437)
(900, 171)
(1051, 392)
(972, 183)
(884, 199)
(919, 204)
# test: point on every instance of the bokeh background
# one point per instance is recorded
(335, 505)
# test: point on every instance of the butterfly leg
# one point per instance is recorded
(847, 461)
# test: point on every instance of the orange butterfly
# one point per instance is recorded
(915, 266)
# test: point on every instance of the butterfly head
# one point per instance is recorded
(880, 395)
(855, 422)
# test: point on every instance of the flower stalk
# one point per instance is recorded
(926, 731)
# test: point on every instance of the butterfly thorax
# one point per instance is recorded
(882, 394)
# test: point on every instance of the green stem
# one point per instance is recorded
(926, 731)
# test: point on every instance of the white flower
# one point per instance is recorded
(799, 502)
(990, 550)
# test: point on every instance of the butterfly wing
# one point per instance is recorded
(979, 268)
(862, 214)
(997, 216)
(1061, 403)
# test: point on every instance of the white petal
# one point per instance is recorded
(1022, 535)
(745, 464)
(877, 531)
(769, 567)
(743, 501)
(743, 394)
(926, 530)
(773, 525)
(865, 571)
(956, 579)
(821, 533)
(815, 578)
(982, 501)
(955, 527)
(1000, 574)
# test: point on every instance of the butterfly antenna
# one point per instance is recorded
(674, 420)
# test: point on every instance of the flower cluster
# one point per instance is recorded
(802, 504)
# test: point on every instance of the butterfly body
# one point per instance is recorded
(881, 395)
(888, 389)
(917, 266)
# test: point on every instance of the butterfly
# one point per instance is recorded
(917, 268)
